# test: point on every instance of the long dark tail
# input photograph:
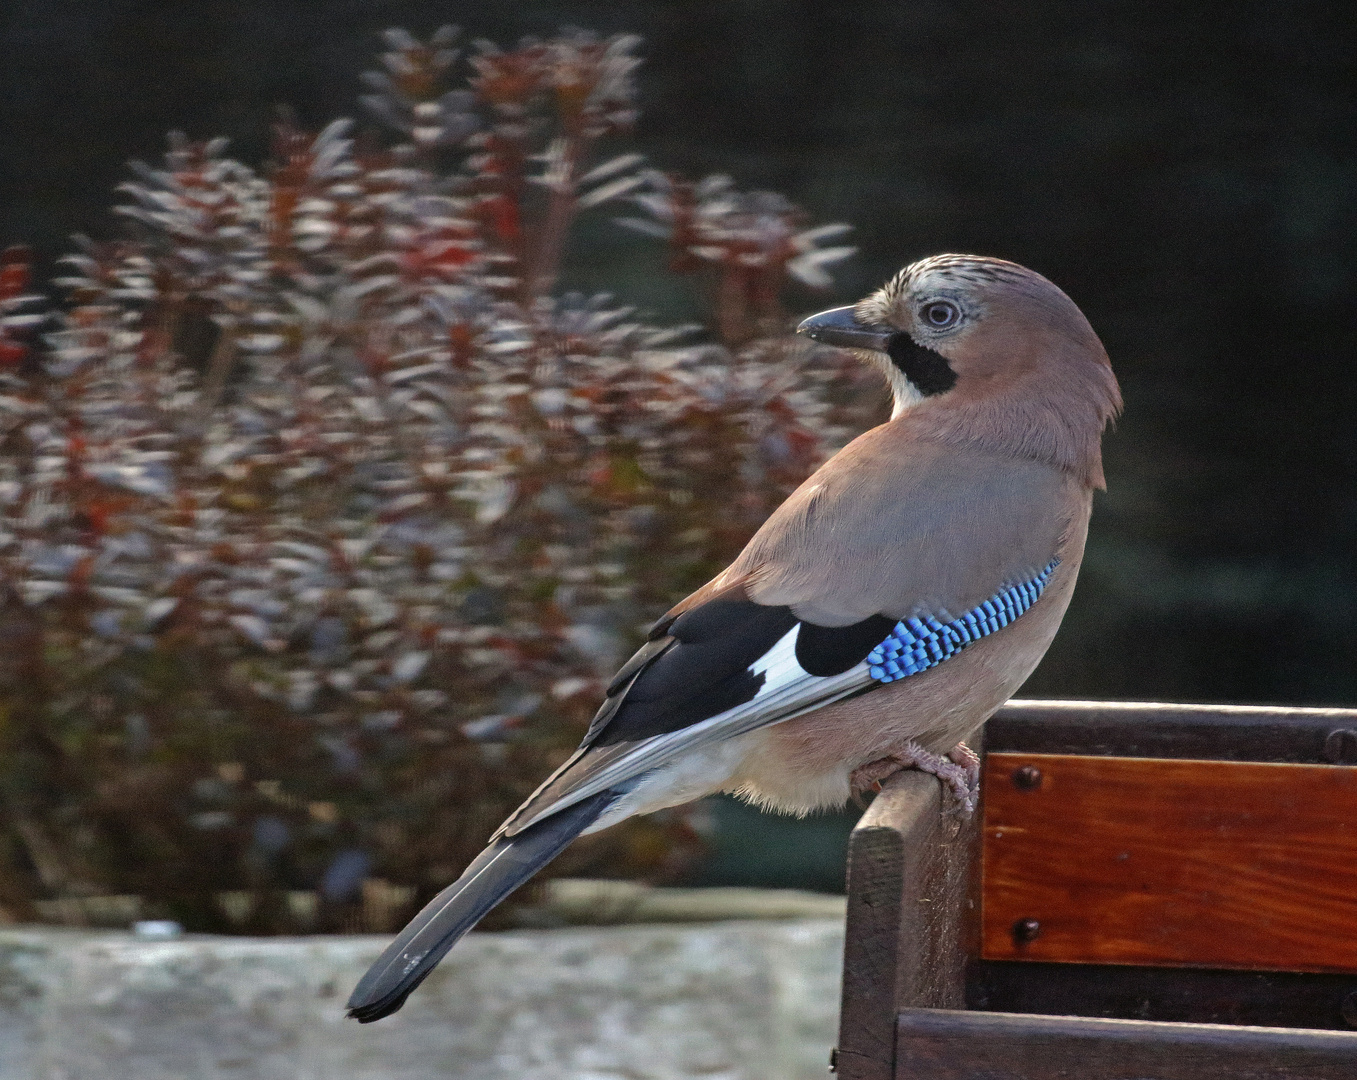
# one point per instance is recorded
(496, 872)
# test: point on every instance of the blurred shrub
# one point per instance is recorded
(322, 521)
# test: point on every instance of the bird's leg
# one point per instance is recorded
(959, 769)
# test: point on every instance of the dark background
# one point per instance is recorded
(1186, 172)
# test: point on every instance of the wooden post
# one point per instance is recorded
(911, 913)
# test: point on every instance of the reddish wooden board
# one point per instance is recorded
(1170, 862)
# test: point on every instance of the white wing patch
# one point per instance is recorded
(671, 768)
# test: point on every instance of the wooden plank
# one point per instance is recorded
(1167, 862)
(1155, 729)
(885, 853)
(910, 887)
(947, 1045)
(1181, 994)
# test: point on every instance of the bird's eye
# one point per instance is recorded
(940, 314)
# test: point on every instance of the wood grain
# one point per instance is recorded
(950, 1045)
(1172, 862)
(910, 863)
(1164, 730)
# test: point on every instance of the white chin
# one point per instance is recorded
(905, 394)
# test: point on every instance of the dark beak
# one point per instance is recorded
(838, 327)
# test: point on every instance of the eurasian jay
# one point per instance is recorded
(929, 563)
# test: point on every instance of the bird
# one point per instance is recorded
(879, 616)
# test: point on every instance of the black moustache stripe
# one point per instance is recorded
(923, 367)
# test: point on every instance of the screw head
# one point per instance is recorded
(1027, 778)
(1340, 748)
(1026, 931)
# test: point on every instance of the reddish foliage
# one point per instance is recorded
(322, 522)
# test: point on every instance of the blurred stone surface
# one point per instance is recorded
(754, 1000)
(592, 902)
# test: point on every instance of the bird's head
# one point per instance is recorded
(968, 323)
(1000, 342)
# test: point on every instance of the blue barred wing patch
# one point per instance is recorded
(918, 644)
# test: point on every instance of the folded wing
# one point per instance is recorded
(822, 587)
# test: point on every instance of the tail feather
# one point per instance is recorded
(494, 874)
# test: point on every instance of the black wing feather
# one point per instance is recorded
(832, 650)
(699, 670)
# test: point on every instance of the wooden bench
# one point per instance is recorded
(1148, 891)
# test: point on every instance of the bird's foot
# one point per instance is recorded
(868, 777)
(959, 770)
(968, 761)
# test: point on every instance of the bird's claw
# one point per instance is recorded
(968, 760)
(959, 770)
(868, 777)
